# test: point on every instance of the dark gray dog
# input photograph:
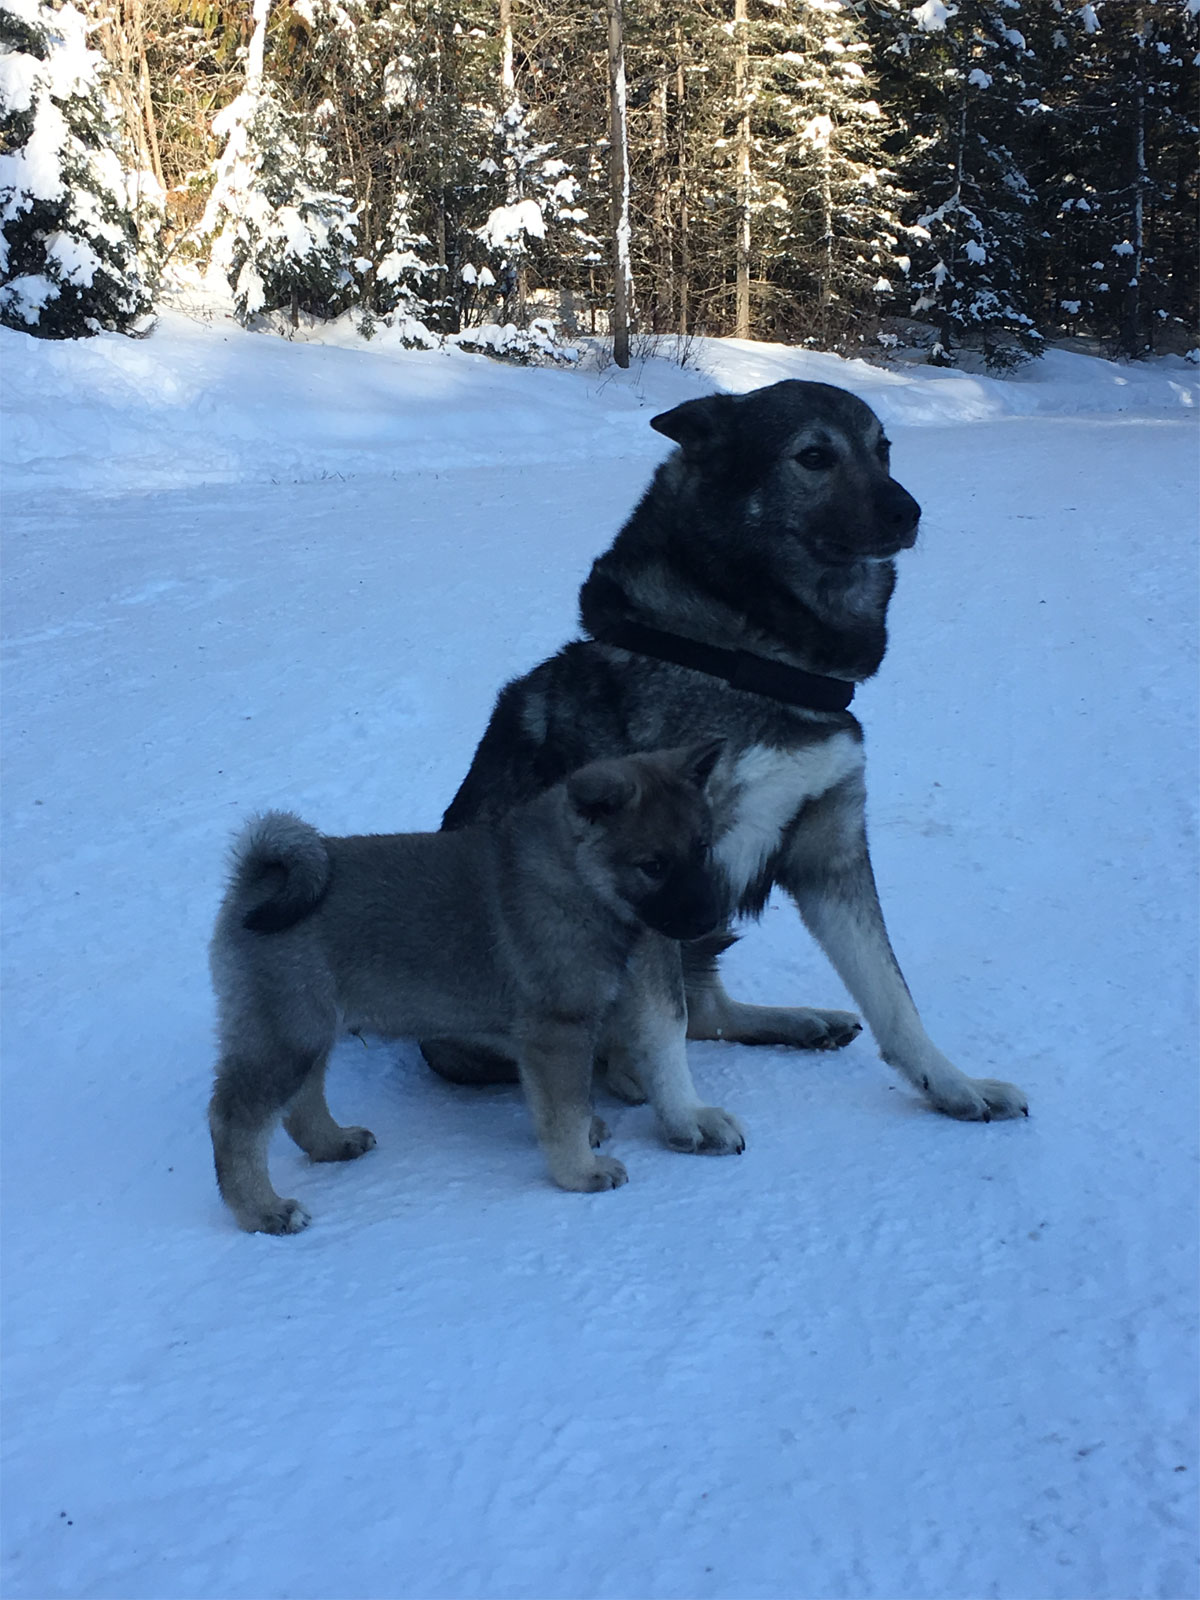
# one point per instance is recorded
(746, 596)
(521, 931)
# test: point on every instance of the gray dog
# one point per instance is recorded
(746, 596)
(521, 931)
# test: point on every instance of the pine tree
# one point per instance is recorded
(69, 258)
(540, 220)
(961, 73)
(281, 236)
(829, 213)
(1121, 192)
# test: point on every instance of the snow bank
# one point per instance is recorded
(207, 402)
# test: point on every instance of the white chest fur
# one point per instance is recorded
(767, 789)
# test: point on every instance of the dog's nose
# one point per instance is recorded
(900, 512)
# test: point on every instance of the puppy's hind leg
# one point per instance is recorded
(249, 1095)
(713, 1014)
(311, 1124)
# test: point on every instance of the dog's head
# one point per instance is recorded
(646, 827)
(803, 461)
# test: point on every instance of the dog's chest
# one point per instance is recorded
(768, 787)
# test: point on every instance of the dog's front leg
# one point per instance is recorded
(555, 1057)
(827, 870)
(713, 1014)
(645, 1042)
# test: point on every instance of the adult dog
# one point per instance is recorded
(523, 928)
(746, 596)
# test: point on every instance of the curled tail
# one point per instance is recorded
(280, 872)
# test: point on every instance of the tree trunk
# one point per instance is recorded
(622, 309)
(664, 286)
(684, 242)
(508, 80)
(514, 187)
(256, 54)
(826, 272)
(741, 91)
(147, 102)
(1131, 308)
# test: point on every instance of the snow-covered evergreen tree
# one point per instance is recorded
(966, 80)
(280, 234)
(69, 260)
(400, 270)
(1121, 187)
(540, 216)
(829, 204)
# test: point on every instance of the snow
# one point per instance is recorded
(509, 225)
(932, 16)
(880, 1354)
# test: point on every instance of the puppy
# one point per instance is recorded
(521, 931)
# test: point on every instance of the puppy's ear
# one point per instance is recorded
(697, 425)
(700, 759)
(600, 790)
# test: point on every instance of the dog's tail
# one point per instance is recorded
(280, 872)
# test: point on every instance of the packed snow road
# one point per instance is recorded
(880, 1354)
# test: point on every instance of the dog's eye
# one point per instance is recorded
(817, 460)
(654, 868)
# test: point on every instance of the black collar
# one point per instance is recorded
(739, 668)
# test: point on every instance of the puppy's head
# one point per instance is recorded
(796, 461)
(645, 824)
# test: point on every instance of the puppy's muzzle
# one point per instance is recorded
(689, 906)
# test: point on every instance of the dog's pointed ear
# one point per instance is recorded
(700, 759)
(697, 425)
(600, 790)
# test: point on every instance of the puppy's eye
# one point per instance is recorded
(814, 459)
(654, 868)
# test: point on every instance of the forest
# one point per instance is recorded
(982, 176)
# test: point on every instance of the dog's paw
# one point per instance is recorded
(351, 1143)
(288, 1216)
(977, 1099)
(598, 1133)
(833, 1030)
(793, 1027)
(710, 1132)
(605, 1172)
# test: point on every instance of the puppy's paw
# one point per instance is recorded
(598, 1133)
(709, 1132)
(604, 1173)
(288, 1216)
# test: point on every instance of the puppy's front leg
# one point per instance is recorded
(646, 1043)
(555, 1061)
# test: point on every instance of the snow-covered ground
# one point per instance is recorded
(881, 1354)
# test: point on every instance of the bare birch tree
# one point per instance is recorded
(618, 126)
